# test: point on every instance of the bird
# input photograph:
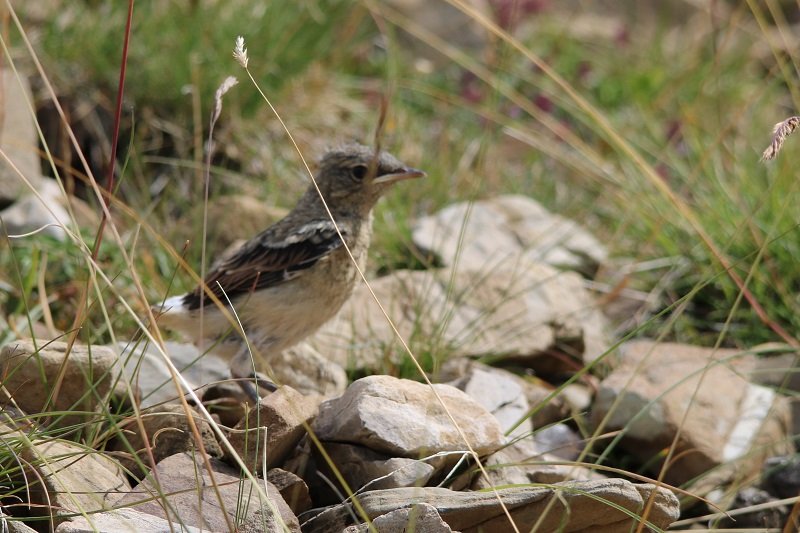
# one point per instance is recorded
(294, 276)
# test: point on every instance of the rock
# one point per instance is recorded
(548, 408)
(64, 479)
(10, 524)
(528, 313)
(576, 396)
(766, 517)
(145, 367)
(404, 418)
(479, 236)
(522, 463)
(42, 210)
(304, 369)
(776, 367)
(18, 138)
(277, 425)
(362, 468)
(293, 489)
(168, 431)
(500, 392)
(726, 424)
(217, 500)
(420, 517)
(86, 386)
(568, 507)
(559, 440)
(781, 476)
(122, 520)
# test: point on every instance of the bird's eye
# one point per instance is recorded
(359, 172)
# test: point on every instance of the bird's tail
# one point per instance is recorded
(172, 314)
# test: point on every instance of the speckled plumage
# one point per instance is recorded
(291, 278)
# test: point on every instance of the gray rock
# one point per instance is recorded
(273, 429)
(522, 311)
(144, 367)
(501, 393)
(168, 432)
(305, 369)
(559, 440)
(480, 235)
(420, 517)
(727, 424)
(777, 367)
(34, 211)
(217, 500)
(9, 524)
(522, 463)
(71, 479)
(18, 138)
(293, 489)
(122, 521)
(568, 507)
(549, 408)
(404, 418)
(362, 467)
(85, 387)
(301, 369)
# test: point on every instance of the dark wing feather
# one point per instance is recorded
(266, 261)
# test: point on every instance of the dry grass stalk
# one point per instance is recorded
(779, 134)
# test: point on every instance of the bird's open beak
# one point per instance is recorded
(404, 174)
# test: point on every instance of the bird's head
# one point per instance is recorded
(355, 176)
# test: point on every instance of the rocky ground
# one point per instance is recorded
(538, 418)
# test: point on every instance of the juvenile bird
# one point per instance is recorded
(291, 278)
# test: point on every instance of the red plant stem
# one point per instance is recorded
(81, 310)
(115, 135)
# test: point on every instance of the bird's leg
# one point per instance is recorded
(243, 371)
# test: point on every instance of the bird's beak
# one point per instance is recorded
(403, 174)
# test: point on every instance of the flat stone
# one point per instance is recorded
(217, 500)
(73, 480)
(122, 520)
(30, 370)
(404, 418)
(570, 507)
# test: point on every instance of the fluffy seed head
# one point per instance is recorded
(240, 52)
(779, 134)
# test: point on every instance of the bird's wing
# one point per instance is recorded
(266, 261)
